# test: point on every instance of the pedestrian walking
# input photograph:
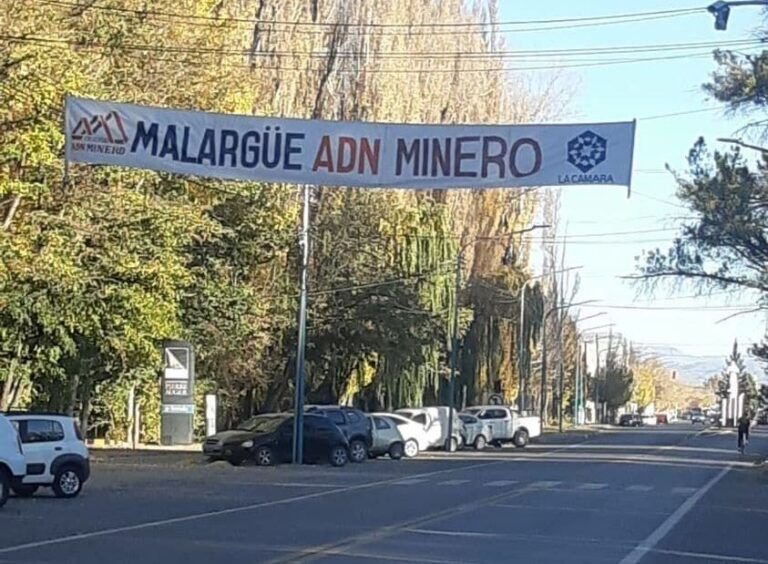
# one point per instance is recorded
(744, 423)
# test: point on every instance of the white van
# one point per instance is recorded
(13, 466)
(434, 421)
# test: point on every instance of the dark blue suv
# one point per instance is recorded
(353, 423)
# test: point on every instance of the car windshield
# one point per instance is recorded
(261, 423)
(467, 418)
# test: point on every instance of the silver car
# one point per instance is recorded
(475, 432)
(386, 438)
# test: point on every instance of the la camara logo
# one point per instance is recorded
(587, 151)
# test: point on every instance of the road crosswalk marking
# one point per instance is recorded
(545, 484)
(639, 488)
(452, 482)
(409, 482)
(590, 486)
(683, 491)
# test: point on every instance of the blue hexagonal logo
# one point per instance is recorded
(587, 150)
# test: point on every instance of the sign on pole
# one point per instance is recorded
(355, 154)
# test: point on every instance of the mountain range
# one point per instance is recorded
(695, 369)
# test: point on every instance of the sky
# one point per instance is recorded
(638, 91)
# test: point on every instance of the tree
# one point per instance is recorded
(616, 378)
(725, 244)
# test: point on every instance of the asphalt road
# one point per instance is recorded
(671, 495)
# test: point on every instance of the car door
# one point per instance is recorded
(497, 419)
(336, 416)
(432, 428)
(284, 440)
(42, 440)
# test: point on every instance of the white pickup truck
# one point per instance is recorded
(507, 424)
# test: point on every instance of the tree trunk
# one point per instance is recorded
(7, 397)
(85, 405)
(69, 407)
(11, 212)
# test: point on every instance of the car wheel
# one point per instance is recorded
(339, 456)
(264, 456)
(5, 487)
(396, 451)
(480, 442)
(25, 490)
(411, 448)
(68, 482)
(358, 452)
(521, 438)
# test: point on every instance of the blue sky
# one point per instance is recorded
(639, 90)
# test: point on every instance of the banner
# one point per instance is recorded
(350, 154)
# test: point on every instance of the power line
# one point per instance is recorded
(400, 55)
(406, 70)
(482, 26)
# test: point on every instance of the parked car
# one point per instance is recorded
(386, 438)
(507, 425)
(55, 454)
(414, 435)
(476, 433)
(268, 439)
(434, 421)
(631, 420)
(354, 424)
(662, 419)
(13, 466)
(762, 418)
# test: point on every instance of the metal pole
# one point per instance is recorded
(520, 347)
(597, 374)
(543, 388)
(298, 404)
(577, 384)
(560, 386)
(454, 347)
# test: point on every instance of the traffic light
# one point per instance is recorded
(721, 10)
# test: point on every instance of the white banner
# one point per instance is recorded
(347, 153)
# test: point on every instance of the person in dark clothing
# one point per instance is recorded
(743, 433)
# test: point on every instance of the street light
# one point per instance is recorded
(722, 10)
(455, 332)
(543, 390)
(523, 384)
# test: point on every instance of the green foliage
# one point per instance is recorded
(97, 268)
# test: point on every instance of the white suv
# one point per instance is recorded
(12, 464)
(55, 453)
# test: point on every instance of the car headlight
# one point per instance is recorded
(247, 444)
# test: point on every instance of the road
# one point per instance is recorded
(655, 495)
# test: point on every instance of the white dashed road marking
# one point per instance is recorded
(639, 488)
(409, 482)
(593, 486)
(544, 485)
(683, 491)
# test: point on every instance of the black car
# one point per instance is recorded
(353, 423)
(630, 420)
(268, 440)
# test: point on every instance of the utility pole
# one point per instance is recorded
(596, 379)
(521, 351)
(722, 10)
(577, 383)
(561, 384)
(300, 380)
